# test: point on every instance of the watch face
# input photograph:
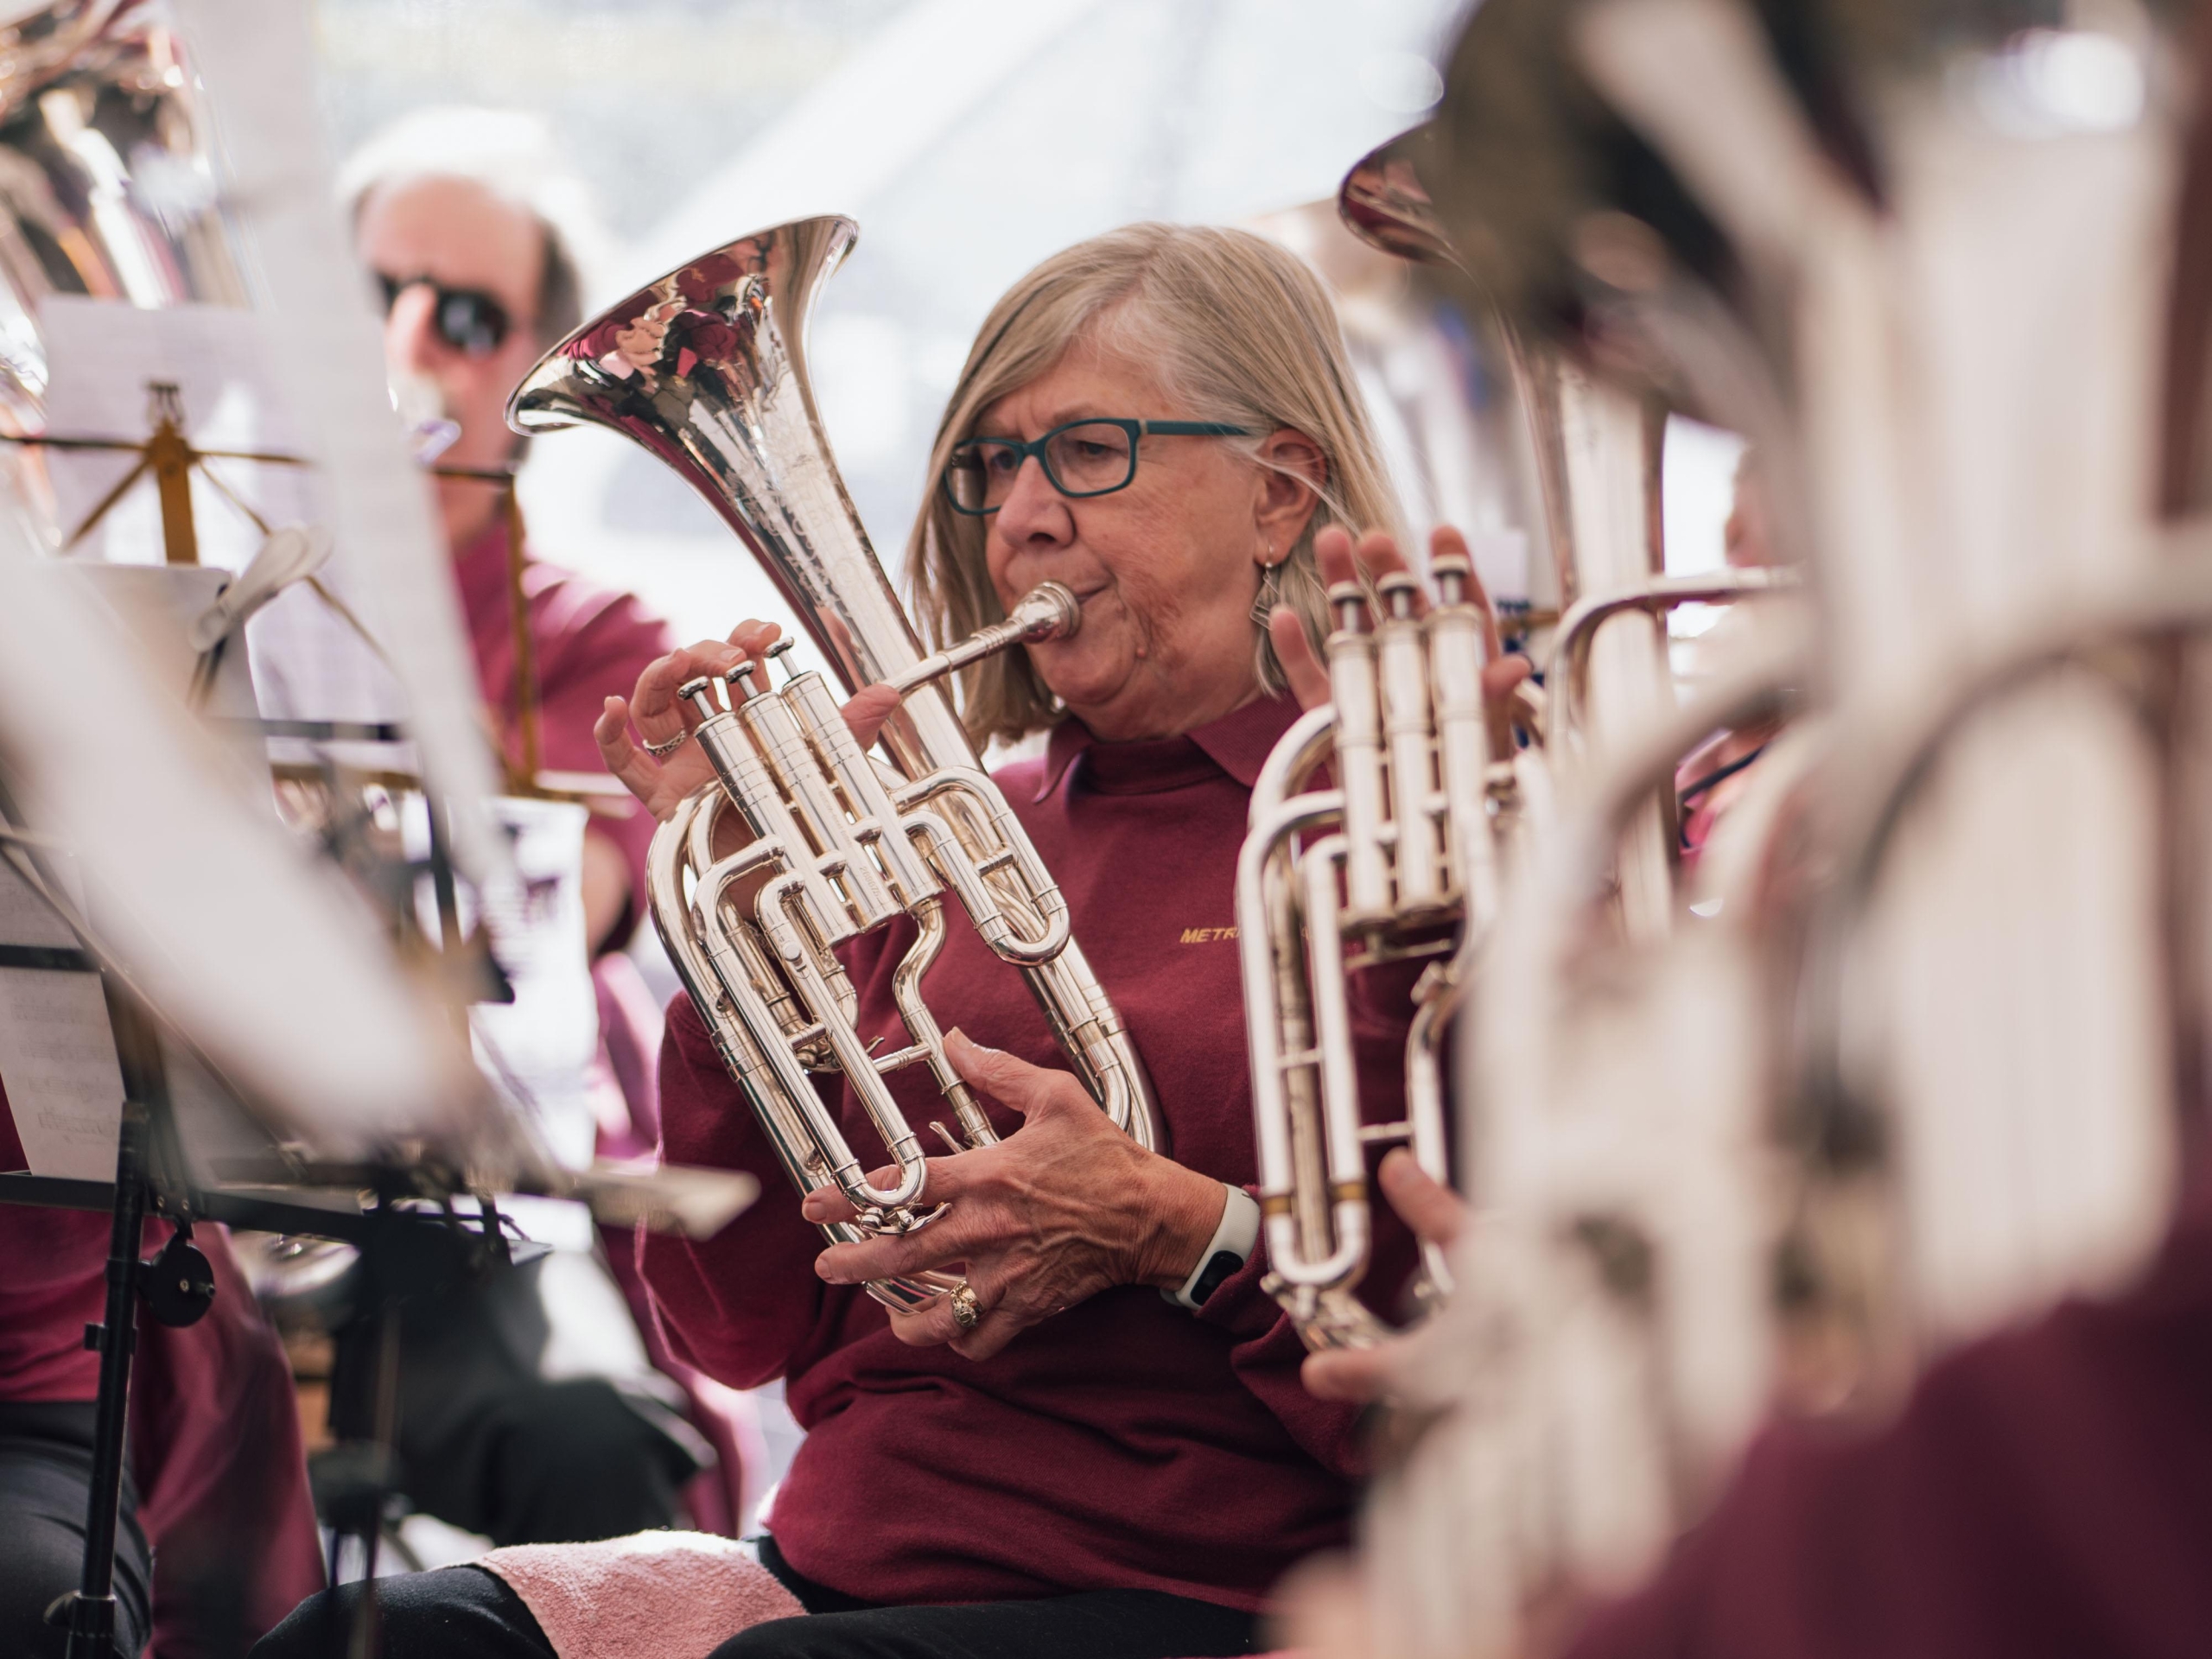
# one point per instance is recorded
(1222, 1266)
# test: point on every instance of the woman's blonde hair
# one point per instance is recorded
(1239, 331)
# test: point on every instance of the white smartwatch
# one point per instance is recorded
(1230, 1249)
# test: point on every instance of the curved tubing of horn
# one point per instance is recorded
(978, 787)
(1335, 1271)
(1112, 1070)
(788, 1135)
(1568, 674)
(1275, 817)
(773, 910)
(1276, 820)
(959, 871)
(921, 1024)
(1345, 1159)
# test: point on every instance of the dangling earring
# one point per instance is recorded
(1270, 594)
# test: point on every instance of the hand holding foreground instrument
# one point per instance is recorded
(1437, 1215)
(1061, 1209)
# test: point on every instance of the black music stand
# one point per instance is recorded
(404, 1252)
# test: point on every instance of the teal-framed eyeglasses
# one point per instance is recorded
(1083, 458)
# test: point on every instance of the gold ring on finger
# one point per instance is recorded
(967, 1311)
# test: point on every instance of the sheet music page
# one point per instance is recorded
(57, 1051)
(157, 603)
(266, 958)
(308, 662)
(102, 354)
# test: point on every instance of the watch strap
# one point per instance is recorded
(1229, 1249)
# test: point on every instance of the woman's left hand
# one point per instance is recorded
(1437, 1215)
(1063, 1208)
(1377, 556)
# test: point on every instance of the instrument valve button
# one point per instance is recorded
(1399, 591)
(1350, 599)
(1452, 573)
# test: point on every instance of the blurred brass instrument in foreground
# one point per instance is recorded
(706, 368)
(107, 179)
(1908, 1066)
(1428, 824)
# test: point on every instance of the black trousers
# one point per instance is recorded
(46, 1475)
(467, 1613)
(488, 1445)
(547, 1463)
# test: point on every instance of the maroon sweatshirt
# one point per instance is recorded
(1128, 1442)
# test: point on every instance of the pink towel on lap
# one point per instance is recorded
(653, 1595)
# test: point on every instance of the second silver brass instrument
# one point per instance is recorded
(1395, 863)
(706, 369)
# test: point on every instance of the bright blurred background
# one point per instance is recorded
(970, 138)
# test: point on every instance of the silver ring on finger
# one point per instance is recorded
(662, 751)
(967, 1310)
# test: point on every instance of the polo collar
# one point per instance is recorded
(1238, 743)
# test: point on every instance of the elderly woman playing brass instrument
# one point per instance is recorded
(1107, 1448)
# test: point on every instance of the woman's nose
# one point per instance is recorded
(1033, 510)
(410, 342)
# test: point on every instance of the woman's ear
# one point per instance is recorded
(1293, 473)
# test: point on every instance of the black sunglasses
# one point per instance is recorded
(466, 318)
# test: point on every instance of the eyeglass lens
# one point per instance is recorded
(466, 318)
(1090, 458)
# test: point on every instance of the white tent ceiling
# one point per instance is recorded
(970, 139)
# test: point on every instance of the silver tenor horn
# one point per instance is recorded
(706, 368)
(1397, 862)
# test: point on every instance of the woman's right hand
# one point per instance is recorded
(658, 713)
(639, 345)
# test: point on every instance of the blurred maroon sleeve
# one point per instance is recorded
(594, 646)
(2046, 1492)
(589, 643)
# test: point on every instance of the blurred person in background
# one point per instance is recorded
(476, 241)
(216, 1539)
(1713, 775)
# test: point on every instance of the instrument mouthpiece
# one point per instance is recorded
(1048, 611)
